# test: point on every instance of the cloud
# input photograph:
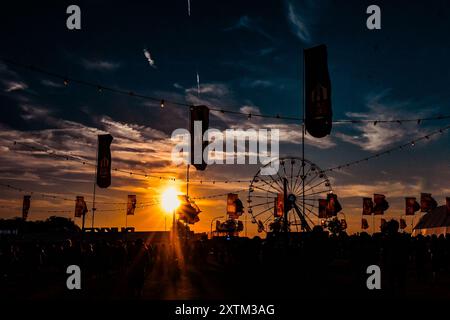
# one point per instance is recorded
(246, 23)
(298, 23)
(147, 55)
(377, 137)
(52, 84)
(100, 65)
(14, 85)
(258, 83)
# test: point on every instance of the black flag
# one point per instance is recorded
(104, 160)
(381, 204)
(411, 206)
(427, 203)
(80, 207)
(198, 114)
(318, 111)
(26, 206)
(367, 206)
(333, 205)
(131, 204)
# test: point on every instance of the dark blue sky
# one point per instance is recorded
(248, 55)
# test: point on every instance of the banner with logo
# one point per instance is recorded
(198, 114)
(279, 206)
(333, 205)
(318, 111)
(80, 207)
(411, 206)
(104, 160)
(367, 206)
(427, 203)
(235, 208)
(380, 204)
(323, 203)
(131, 204)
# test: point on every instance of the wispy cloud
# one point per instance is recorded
(148, 56)
(247, 23)
(52, 84)
(377, 137)
(297, 22)
(102, 65)
(14, 85)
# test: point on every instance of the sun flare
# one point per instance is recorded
(169, 200)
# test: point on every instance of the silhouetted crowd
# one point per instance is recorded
(304, 264)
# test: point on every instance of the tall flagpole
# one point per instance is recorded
(95, 185)
(303, 137)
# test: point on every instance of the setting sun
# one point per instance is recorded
(169, 200)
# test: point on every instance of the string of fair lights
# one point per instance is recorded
(411, 143)
(163, 102)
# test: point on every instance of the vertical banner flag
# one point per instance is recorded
(364, 224)
(447, 202)
(198, 125)
(427, 203)
(333, 205)
(235, 207)
(381, 205)
(318, 111)
(80, 207)
(279, 205)
(411, 206)
(402, 224)
(367, 206)
(26, 206)
(323, 208)
(131, 204)
(104, 160)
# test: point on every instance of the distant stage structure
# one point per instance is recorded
(288, 201)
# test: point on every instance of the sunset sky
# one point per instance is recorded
(249, 58)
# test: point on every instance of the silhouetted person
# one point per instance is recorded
(139, 266)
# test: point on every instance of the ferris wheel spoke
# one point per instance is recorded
(309, 204)
(275, 181)
(318, 192)
(311, 180)
(276, 193)
(307, 217)
(305, 182)
(292, 186)
(268, 218)
(260, 213)
(316, 185)
(296, 177)
(262, 197)
(260, 204)
(271, 185)
(314, 214)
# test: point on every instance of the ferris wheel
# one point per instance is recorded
(288, 200)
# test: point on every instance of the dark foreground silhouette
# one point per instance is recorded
(305, 265)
